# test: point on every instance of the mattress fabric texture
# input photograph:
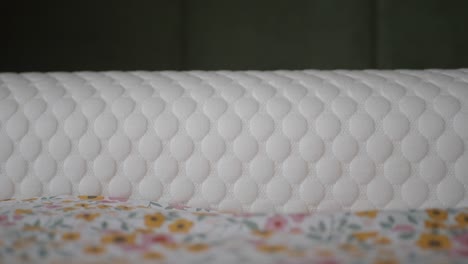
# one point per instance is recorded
(284, 141)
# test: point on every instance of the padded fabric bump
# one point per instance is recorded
(288, 141)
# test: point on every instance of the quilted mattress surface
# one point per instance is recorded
(285, 141)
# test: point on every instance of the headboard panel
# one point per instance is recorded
(287, 141)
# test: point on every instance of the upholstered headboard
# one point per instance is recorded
(290, 141)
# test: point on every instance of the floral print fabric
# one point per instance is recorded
(89, 229)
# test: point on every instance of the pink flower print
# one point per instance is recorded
(328, 261)
(460, 252)
(403, 228)
(159, 238)
(130, 247)
(256, 242)
(17, 217)
(276, 223)
(179, 206)
(308, 261)
(52, 206)
(108, 201)
(120, 199)
(462, 240)
(4, 220)
(298, 218)
(242, 214)
(296, 230)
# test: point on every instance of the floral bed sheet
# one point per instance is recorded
(96, 229)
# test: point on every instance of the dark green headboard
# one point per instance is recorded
(53, 35)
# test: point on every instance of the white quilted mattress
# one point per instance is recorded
(285, 141)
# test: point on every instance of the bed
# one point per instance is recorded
(307, 166)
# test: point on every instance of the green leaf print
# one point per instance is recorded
(406, 236)
(57, 223)
(42, 252)
(412, 219)
(322, 226)
(155, 204)
(385, 225)
(314, 237)
(251, 225)
(354, 226)
(132, 215)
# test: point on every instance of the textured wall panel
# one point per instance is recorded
(421, 34)
(90, 35)
(243, 35)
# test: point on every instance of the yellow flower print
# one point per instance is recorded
(363, 236)
(124, 208)
(91, 197)
(144, 230)
(204, 214)
(87, 217)
(351, 249)
(71, 236)
(369, 213)
(170, 245)
(32, 228)
(23, 211)
(103, 206)
(324, 253)
(271, 248)
(434, 242)
(118, 238)
(386, 261)
(82, 205)
(385, 252)
(462, 219)
(296, 253)
(24, 242)
(199, 247)
(181, 226)
(68, 209)
(348, 247)
(434, 224)
(153, 255)
(94, 250)
(296, 230)
(437, 214)
(382, 240)
(29, 200)
(262, 233)
(154, 220)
